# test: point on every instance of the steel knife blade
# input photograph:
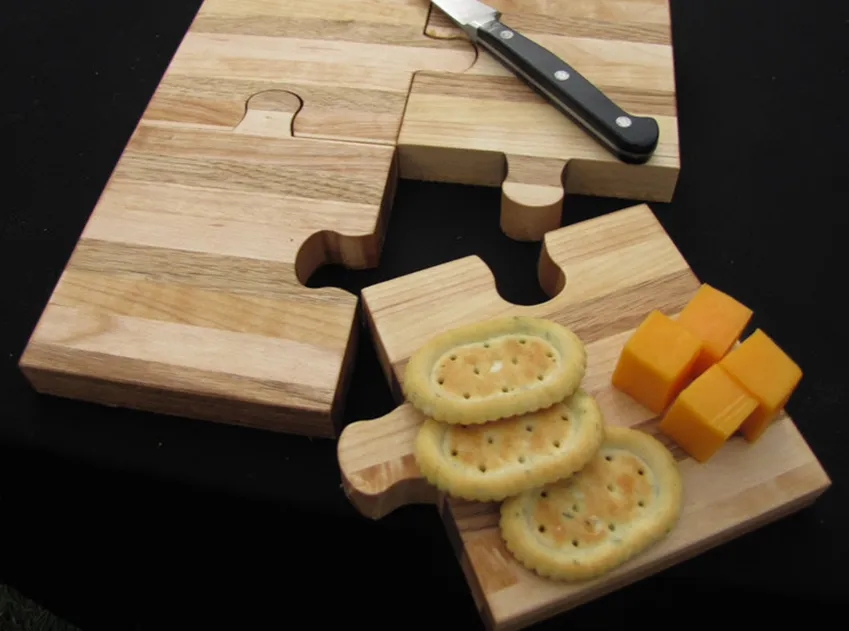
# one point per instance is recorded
(630, 138)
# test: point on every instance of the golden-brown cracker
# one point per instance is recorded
(625, 499)
(491, 461)
(494, 369)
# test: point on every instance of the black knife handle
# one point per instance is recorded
(631, 138)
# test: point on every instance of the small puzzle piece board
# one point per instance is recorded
(267, 150)
(487, 127)
(604, 276)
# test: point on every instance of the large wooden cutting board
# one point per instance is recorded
(268, 149)
(603, 275)
(487, 127)
(271, 147)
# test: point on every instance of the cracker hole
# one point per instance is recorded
(529, 428)
(477, 370)
(611, 527)
(540, 377)
(641, 503)
(440, 381)
(466, 395)
(541, 528)
(544, 494)
(550, 355)
(610, 487)
(490, 440)
(454, 452)
(486, 344)
(453, 358)
(557, 444)
(521, 460)
(564, 417)
(568, 515)
(523, 341)
(482, 468)
(575, 507)
(608, 458)
(515, 360)
(505, 389)
(641, 472)
(575, 542)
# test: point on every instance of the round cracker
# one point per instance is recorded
(494, 369)
(505, 457)
(625, 499)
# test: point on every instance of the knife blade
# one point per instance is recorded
(630, 138)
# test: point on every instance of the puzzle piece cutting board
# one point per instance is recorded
(487, 127)
(604, 276)
(267, 149)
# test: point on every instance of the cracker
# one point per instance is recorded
(492, 461)
(625, 499)
(494, 369)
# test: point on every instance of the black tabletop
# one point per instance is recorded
(127, 520)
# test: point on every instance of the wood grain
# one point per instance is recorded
(266, 151)
(604, 276)
(270, 148)
(487, 127)
(351, 63)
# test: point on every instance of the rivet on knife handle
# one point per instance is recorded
(631, 138)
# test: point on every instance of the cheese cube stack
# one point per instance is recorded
(708, 388)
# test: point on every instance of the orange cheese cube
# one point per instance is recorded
(656, 361)
(707, 412)
(769, 375)
(717, 320)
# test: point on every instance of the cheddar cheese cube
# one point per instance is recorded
(767, 373)
(707, 413)
(655, 363)
(717, 320)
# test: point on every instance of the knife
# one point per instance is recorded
(632, 139)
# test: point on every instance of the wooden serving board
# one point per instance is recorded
(271, 147)
(487, 127)
(603, 275)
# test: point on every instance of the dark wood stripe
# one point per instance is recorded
(595, 28)
(623, 310)
(284, 153)
(213, 160)
(650, 427)
(305, 181)
(569, 26)
(483, 87)
(178, 391)
(215, 272)
(325, 28)
(231, 90)
(474, 516)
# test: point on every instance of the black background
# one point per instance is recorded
(125, 520)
